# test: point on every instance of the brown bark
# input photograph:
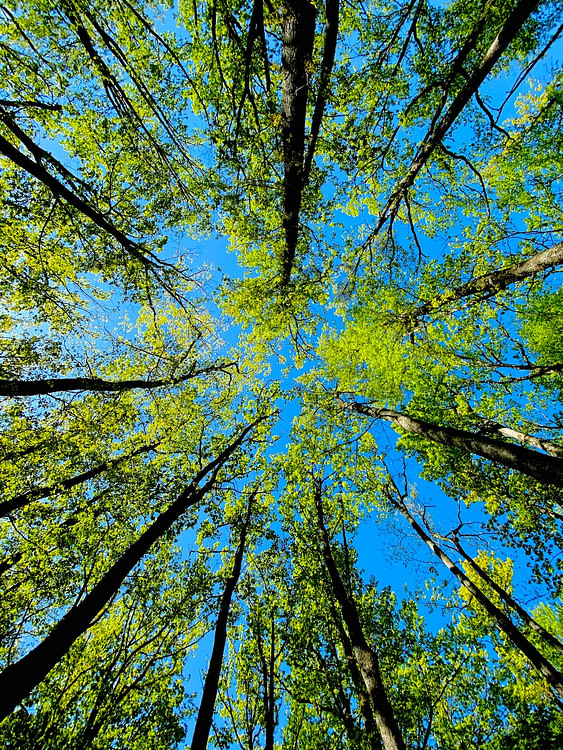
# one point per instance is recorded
(204, 719)
(37, 493)
(502, 621)
(546, 469)
(489, 284)
(436, 133)
(45, 386)
(366, 658)
(298, 36)
(19, 679)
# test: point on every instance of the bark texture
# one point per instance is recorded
(298, 36)
(436, 133)
(546, 469)
(501, 620)
(366, 658)
(510, 601)
(57, 385)
(489, 284)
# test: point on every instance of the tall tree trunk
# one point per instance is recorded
(548, 446)
(204, 719)
(298, 36)
(19, 679)
(488, 284)
(56, 385)
(550, 639)
(359, 685)
(502, 621)
(332, 10)
(546, 469)
(366, 658)
(511, 27)
(37, 493)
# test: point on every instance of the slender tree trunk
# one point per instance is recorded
(298, 36)
(19, 679)
(489, 284)
(546, 469)
(37, 493)
(204, 719)
(511, 27)
(56, 385)
(504, 623)
(270, 719)
(332, 9)
(59, 190)
(366, 658)
(550, 639)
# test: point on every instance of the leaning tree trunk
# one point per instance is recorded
(57, 385)
(204, 719)
(298, 36)
(38, 493)
(366, 658)
(550, 639)
(546, 469)
(511, 27)
(19, 679)
(487, 285)
(501, 620)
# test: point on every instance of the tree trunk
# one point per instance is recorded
(298, 36)
(436, 133)
(504, 623)
(332, 9)
(204, 719)
(56, 385)
(550, 639)
(489, 284)
(61, 191)
(548, 446)
(546, 469)
(363, 700)
(37, 493)
(365, 657)
(19, 679)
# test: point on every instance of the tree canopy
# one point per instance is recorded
(208, 477)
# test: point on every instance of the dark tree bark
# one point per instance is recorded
(546, 469)
(488, 285)
(268, 665)
(509, 600)
(59, 190)
(19, 679)
(37, 493)
(366, 658)
(298, 36)
(332, 8)
(436, 133)
(204, 719)
(56, 385)
(502, 621)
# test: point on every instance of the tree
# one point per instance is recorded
(389, 177)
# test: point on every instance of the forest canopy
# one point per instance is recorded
(314, 499)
